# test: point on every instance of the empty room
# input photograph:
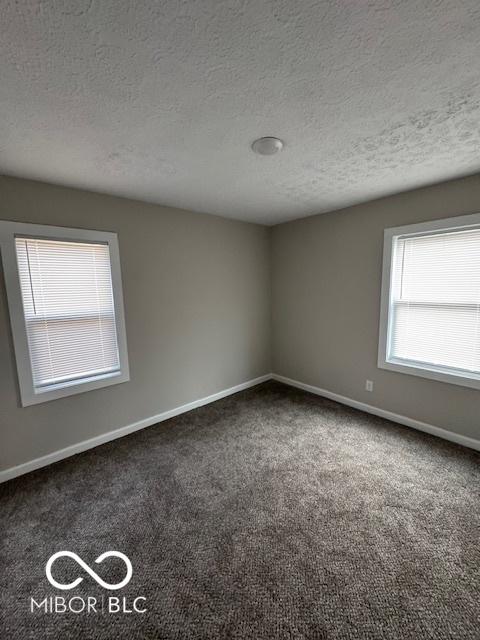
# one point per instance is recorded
(240, 320)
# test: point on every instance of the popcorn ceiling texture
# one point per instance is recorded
(160, 100)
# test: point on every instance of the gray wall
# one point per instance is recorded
(197, 308)
(198, 312)
(326, 300)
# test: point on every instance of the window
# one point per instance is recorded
(66, 308)
(430, 318)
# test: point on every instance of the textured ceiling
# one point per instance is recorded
(160, 100)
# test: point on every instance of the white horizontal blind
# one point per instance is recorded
(435, 300)
(69, 310)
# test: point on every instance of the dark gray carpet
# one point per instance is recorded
(270, 514)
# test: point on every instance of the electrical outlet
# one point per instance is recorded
(369, 385)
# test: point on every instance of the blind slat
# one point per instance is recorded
(69, 309)
(435, 300)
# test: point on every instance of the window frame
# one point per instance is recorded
(423, 370)
(9, 230)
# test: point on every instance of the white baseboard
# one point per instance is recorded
(73, 449)
(472, 443)
(55, 456)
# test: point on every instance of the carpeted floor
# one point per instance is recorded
(269, 514)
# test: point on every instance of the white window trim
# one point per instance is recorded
(431, 372)
(8, 231)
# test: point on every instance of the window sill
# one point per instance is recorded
(61, 390)
(463, 379)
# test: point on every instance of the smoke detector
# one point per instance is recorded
(267, 146)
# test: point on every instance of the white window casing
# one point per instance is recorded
(65, 299)
(430, 306)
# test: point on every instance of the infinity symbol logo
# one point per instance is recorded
(78, 560)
